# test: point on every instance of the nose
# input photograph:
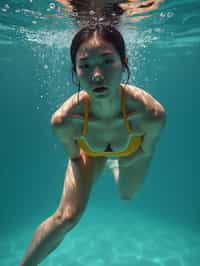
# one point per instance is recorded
(97, 76)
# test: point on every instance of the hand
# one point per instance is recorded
(134, 7)
(146, 122)
(66, 4)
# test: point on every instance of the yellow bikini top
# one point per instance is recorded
(134, 142)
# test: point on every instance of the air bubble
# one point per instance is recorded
(45, 66)
(170, 14)
(92, 13)
(6, 6)
(162, 15)
(52, 6)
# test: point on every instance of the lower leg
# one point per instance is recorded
(47, 237)
(80, 176)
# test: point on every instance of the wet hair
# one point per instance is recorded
(107, 33)
(111, 12)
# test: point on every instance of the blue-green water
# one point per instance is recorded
(161, 225)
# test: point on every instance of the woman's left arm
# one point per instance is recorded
(147, 147)
(152, 128)
(153, 119)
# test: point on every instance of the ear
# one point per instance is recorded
(74, 74)
(126, 60)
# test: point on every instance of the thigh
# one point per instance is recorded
(80, 176)
(130, 177)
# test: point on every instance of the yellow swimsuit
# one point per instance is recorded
(132, 147)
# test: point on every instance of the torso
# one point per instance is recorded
(112, 132)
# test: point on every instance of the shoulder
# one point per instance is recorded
(135, 92)
(67, 121)
(144, 101)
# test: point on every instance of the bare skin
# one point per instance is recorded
(128, 7)
(79, 179)
(97, 64)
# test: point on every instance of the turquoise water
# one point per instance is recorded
(161, 225)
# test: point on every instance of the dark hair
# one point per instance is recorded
(105, 32)
(110, 13)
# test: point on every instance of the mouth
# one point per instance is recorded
(100, 89)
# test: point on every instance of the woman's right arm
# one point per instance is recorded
(65, 126)
(62, 126)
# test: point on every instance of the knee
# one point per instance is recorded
(67, 217)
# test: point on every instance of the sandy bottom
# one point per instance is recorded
(109, 239)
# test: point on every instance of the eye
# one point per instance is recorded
(108, 61)
(86, 66)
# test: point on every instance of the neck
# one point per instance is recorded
(106, 108)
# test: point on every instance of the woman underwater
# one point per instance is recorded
(106, 119)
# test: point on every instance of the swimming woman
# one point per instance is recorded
(106, 119)
(109, 11)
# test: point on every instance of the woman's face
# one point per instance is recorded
(99, 68)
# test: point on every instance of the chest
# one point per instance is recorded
(112, 134)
